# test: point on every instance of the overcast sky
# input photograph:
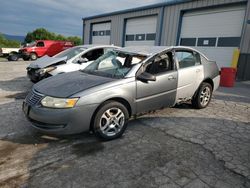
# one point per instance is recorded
(17, 17)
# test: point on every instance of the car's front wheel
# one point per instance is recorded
(33, 56)
(111, 120)
(203, 96)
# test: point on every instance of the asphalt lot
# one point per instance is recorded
(174, 147)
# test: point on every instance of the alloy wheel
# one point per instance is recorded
(205, 96)
(112, 121)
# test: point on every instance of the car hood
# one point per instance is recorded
(67, 84)
(46, 61)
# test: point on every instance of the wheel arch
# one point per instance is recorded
(206, 80)
(34, 52)
(116, 99)
(209, 81)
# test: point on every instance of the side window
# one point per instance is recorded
(40, 44)
(186, 59)
(160, 64)
(93, 54)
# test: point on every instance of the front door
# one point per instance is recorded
(161, 93)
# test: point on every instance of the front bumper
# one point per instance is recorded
(59, 121)
(25, 55)
(35, 76)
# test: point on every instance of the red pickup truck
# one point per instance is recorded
(43, 47)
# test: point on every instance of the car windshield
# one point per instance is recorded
(71, 52)
(114, 64)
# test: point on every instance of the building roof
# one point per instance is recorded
(168, 3)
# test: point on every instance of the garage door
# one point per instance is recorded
(101, 33)
(140, 31)
(215, 32)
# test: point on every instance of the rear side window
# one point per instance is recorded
(186, 59)
(40, 44)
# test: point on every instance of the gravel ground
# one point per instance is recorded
(174, 147)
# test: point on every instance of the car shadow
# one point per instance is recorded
(17, 84)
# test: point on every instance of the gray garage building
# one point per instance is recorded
(215, 27)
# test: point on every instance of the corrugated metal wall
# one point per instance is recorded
(243, 72)
(171, 21)
(245, 41)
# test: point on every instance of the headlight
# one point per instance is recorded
(52, 102)
(48, 69)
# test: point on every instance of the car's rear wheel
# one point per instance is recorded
(111, 120)
(203, 96)
(13, 57)
(33, 56)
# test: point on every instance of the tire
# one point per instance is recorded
(203, 96)
(33, 56)
(110, 121)
(26, 58)
(13, 57)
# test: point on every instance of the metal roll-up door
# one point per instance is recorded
(101, 33)
(140, 31)
(215, 32)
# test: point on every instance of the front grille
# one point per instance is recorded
(33, 98)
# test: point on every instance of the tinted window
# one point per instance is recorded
(150, 36)
(130, 37)
(40, 44)
(185, 59)
(188, 41)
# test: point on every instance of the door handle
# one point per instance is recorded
(171, 78)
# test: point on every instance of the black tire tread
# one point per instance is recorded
(196, 98)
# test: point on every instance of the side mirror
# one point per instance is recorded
(82, 60)
(144, 77)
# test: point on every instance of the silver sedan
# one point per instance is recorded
(119, 84)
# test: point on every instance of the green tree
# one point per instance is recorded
(43, 34)
(5, 43)
(76, 40)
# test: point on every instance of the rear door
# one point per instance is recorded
(190, 73)
(161, 93)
